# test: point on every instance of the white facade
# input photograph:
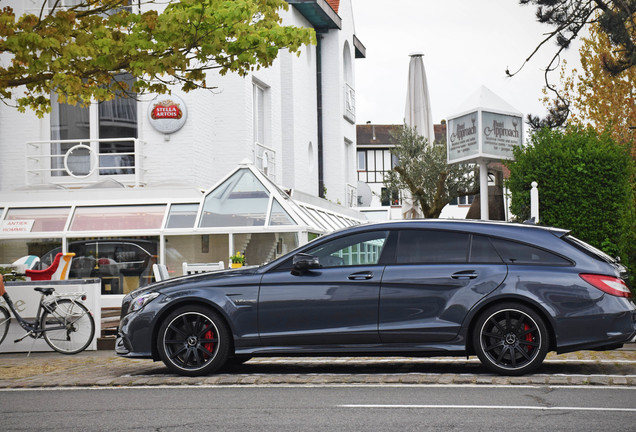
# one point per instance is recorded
(275, 119)
(219, 131)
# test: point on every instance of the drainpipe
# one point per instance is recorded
(321, 177)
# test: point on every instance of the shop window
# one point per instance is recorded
(203, 248)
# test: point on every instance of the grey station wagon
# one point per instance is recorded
(508, 293)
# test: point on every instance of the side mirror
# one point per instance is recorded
(302, 262)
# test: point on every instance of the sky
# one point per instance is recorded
(466, 44)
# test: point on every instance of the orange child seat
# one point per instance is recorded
(58, 270)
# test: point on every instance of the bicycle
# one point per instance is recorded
(62, 320)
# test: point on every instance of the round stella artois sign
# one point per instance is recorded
(167, 113)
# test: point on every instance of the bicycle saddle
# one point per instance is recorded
(45, 291)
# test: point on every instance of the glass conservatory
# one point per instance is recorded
(117, 234)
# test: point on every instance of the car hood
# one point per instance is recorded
(199, 277)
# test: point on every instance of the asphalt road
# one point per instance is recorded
(322, 408)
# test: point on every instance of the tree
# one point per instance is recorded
(615, 18)
(76, 52)
(585, 185)
(422, 169)
(598, 98)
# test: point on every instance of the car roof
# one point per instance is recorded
(534, 234)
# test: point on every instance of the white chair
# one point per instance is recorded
(191, 268)
(160, 271)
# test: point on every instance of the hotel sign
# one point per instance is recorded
(167, 113)
(483, 135)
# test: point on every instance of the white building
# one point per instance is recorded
(273, 141)
(374, 159)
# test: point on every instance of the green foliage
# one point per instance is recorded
(75, 52)
(586, 184)
(423, 170)
(8, 275)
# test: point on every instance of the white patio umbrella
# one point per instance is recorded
(417, 115)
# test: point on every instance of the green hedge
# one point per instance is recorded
(586, 185)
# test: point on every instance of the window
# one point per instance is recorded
(115, 119)
(376, 164)
(428, 247)
(118, 119)
(241, 200)
(362, 161)
(462, 200)
(258, 113)
(358, 249)
(182, 215)
(37, 219)
(128, 217)
(482, 251)
(392, 198)
(519, 253)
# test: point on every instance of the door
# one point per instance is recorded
(336, 304)
(436, 279)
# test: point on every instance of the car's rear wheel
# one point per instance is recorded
(511, 339)
(193, 341)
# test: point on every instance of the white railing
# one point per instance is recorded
(352, 195)
(84, 162)
(350, 103)
(265, 160)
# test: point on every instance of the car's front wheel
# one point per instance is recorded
(511, 339)
(193, 341)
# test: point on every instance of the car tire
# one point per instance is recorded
(511, 339)
(193, 341)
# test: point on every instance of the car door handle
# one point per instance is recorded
(466, 274)
(364, 275)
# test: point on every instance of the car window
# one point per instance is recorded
(429, 246)
(519, 253)
(358, 249)
(482, 251)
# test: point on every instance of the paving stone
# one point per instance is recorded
(97, 368)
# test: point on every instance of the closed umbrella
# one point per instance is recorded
(417, 115)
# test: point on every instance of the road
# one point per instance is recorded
(321, 408)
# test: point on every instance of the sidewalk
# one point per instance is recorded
(104, 368)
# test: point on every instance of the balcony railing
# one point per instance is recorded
(84, 162)
(350, 103)
(352, 195)
(265, 160)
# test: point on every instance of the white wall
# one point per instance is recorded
(218, 133)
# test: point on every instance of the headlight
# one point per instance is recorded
(141, 301)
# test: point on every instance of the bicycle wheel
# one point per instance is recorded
(5, 320)
(69, 328)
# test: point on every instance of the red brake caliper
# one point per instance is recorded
(209, 346)
(526, 327)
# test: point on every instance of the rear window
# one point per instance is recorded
(589, 249)
(523, 254)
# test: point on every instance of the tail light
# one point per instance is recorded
(609, 284)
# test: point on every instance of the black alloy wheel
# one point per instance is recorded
(511, 339)
(193, 341)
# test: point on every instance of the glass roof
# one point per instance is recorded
(245, 198)
(248, 198)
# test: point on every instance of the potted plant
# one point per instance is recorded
(237, 260)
